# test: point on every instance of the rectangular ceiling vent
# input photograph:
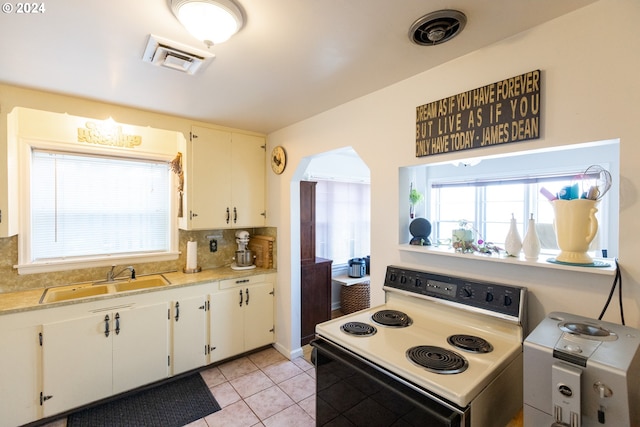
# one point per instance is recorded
(173, 55)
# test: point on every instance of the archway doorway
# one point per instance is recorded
(341, 182)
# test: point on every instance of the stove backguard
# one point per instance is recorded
(497, 300)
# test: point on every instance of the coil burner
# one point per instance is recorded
(437, 359)
(393, 318)
(470, 343)
(359, 329)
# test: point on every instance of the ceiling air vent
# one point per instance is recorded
(169, 54)
(437, 27)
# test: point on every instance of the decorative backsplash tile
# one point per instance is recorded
(11, 281)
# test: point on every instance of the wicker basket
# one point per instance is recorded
(354, 297)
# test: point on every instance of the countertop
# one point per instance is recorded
(13, 302)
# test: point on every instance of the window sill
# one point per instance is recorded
(541, 262)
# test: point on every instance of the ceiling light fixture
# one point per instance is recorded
(212, 21)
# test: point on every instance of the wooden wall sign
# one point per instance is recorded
(502, 112)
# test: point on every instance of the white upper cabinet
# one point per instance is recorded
(225, 180)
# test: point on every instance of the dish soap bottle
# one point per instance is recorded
(531, 242)
(513, 243)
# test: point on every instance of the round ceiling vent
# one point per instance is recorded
(437, 27)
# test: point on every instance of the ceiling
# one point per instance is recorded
(291, 60)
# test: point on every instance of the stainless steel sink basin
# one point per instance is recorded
(73, 292)
(141, 283)
(86, 290)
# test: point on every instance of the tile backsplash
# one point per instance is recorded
(11, 281)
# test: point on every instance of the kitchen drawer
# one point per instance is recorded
(242, 281)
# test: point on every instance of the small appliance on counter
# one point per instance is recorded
(357, 267)
(581, 372)
(244, 257)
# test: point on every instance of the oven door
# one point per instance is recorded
(351, 391)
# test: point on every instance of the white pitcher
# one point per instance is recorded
(576, 226)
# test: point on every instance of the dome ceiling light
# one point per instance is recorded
(211, 21)
(437, 27)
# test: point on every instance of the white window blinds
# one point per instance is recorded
(342, 220)
(84, 205)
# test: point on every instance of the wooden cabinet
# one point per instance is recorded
(307, 221)
(92, 357)
(315, 273)
(189, 333)
(315, 296)
(225, 180)
(241, 316)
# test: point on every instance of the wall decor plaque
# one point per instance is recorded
(498, 113)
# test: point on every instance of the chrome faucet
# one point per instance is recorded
(111, 276)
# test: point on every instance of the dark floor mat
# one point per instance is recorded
(172, 404)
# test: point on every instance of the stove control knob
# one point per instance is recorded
(488, 297)
(403, 279)
(467, 292)
(393, 277)
(507, 300)
(418, 283)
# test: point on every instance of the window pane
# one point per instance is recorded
(91, 206)
(342, 220)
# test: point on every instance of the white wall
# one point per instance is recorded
(590, 92)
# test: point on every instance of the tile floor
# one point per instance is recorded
(260, 389)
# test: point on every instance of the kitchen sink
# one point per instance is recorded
(73, 292)
(141, 283)
(86, 290)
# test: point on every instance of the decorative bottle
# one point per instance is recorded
(531, 242)
(513, 243)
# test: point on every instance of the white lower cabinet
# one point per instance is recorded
(89, 358)
(55, 359)
(241, 316)
(19, 373)
(189, 333)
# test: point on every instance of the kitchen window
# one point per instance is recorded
(487, 204)
(342, 220)
(90, 210)
(485, 191)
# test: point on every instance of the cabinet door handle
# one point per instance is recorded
(192, 214)
(240, 297)
(106, 325)
(247, 291)
(177, 311)
(117, 323)
(228, 215)
(235, 215)
(44, 398)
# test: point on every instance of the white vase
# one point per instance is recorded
(531, 242)
(513, 243)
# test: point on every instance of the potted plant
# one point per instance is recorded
(462, 237)
(414, 198)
